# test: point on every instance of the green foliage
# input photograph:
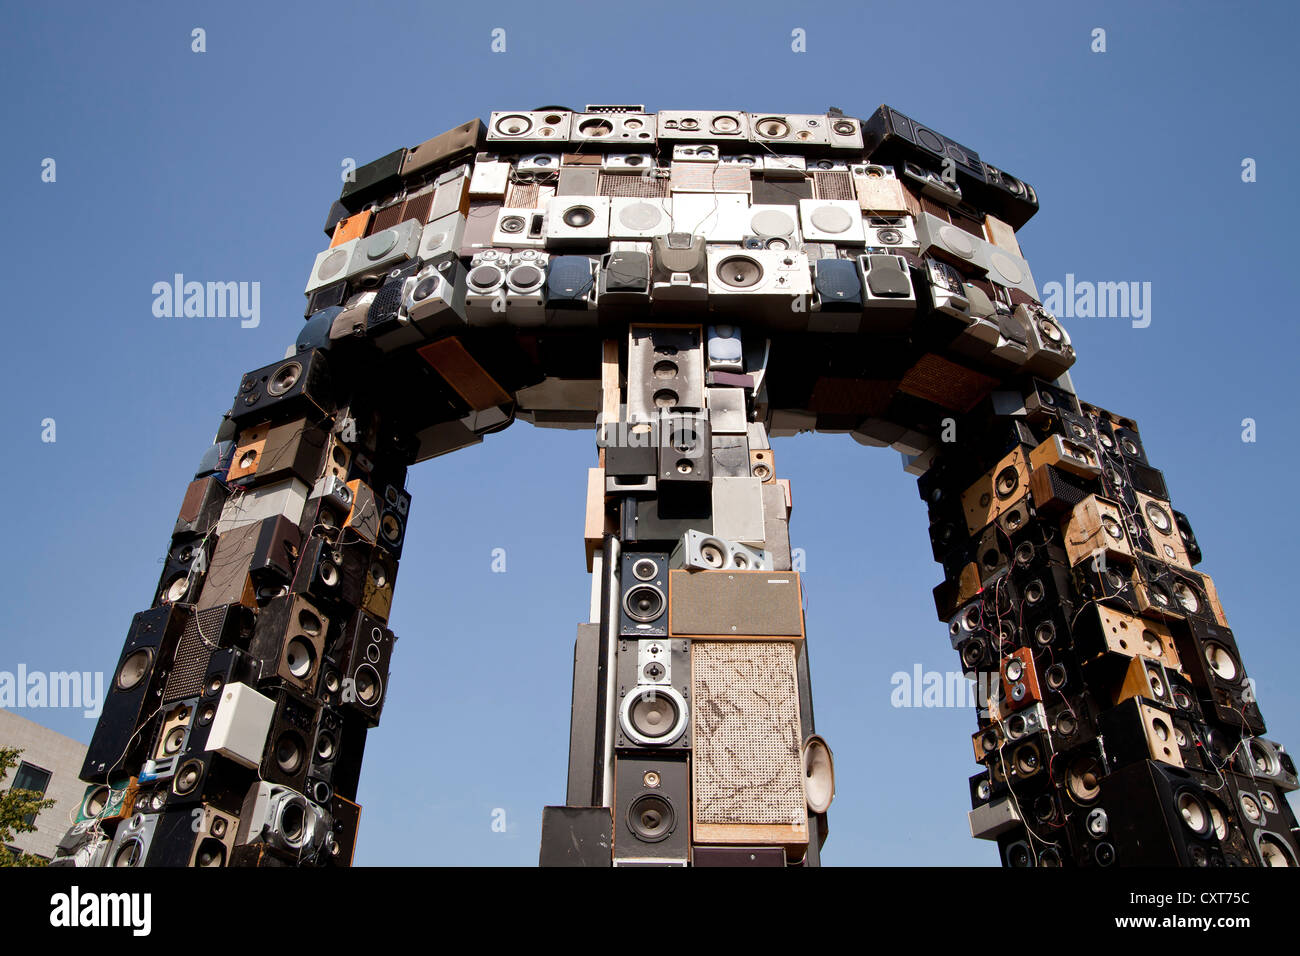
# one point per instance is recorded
(15, 807)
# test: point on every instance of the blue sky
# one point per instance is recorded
(222, 165)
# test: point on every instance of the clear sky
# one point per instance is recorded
(222, 165)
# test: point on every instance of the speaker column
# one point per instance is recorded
(271, 625)
(1106, 658)
(691, 683)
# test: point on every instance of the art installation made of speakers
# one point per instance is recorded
(687, 285)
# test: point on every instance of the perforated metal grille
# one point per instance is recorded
(946, 383)
(522, 195)
(627, 184)
(833, 184)
(198, 640)
(746, 738)
(710, 178)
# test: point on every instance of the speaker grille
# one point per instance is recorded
(833, 184)
(746, 734)
(199, 639)
(523, 195)
(946, 383)
(710, 178)
(654, 187)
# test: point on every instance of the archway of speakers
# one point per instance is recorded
(1116, 720)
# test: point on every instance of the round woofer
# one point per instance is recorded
(651, 818)
(95, 802)
(285, 378)
(427, 288)
(300, 657)
(772, 127)
(1159, 518)
(368, 686)
(739, 272)
(514, 125)
(579, 216)
(1274, 852)
(390, 528)
(1221, 661)
(512, 224)
(134, 669)
(129, 853)
(290, 751)
(1193, 811)
(643, 603)
(293, 822)
(210, 853)
(1007, 481)
(725, 124)
(188, 777)
(653, 716)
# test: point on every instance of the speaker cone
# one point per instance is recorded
(644, 603)
(654, 716)
(1193, 811)
(579, 216)
(134, 669)
(210, 852)
(285, 378)
(290, 750)
(818, 773)
(1007, 481)
(300, 657)
(1274, 852)
(651, 818)
(740, 272)
(1221, 661)
(188, 777)
(368, 685)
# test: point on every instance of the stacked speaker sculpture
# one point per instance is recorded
(687, 285)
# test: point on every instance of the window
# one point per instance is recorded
(30, 777)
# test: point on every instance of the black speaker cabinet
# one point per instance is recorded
(366, 654)
(652, 809)
(275, 554)
(643, 603)
(1160, 816)
(1210, 657)
(288, 645)
(290, 740)
(184, 568)
(320, 571)
(135, 692)
(296, 386)
(576, 836)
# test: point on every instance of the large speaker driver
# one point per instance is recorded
(651, 818)
(819, 774)
(644, 602)
(740, 272)
(654, 716)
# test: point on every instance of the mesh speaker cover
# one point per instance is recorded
(946, 383)
(621, 184)
(523, 195)
(386, 218)
(198, 641)
(833, 184)
(746, 734)
(709, 178)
